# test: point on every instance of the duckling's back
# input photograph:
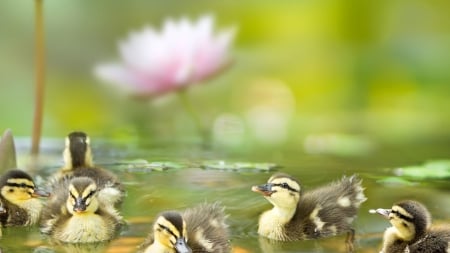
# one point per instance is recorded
(102, 177)
(435, 241)
(207, 229)
(328, 210)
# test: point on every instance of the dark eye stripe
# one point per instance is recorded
(285, 186)
(401, 216)
(168, 230)
(22, 185)
(90, 194)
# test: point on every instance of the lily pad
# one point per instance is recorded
(143, 166)
(437, 169)
(396, 181)
(239, 166)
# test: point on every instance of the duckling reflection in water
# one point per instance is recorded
(201, 229)
(75, 214)
(78, 162)
(411, 232)
(18, 199)
(323, 212)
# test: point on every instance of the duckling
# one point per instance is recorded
(76, 215)
(18, 199)
(201, 229)
(78, 162)
(323, 212)
(411, 232)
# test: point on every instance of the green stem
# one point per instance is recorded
(182, 94)
(39, 75)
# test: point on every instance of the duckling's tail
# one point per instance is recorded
(358, 191)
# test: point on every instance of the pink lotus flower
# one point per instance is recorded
(183, 53)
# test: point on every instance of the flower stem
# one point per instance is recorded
(39, 75)
(195, 117)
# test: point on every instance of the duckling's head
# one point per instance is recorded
(410, 218)
(170, 231)
(281, 190)
(77, 152)
(82, 197)
(17, 186)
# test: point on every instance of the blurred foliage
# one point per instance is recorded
(375, 68)
(439, 169)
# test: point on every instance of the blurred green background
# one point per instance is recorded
(304, 72)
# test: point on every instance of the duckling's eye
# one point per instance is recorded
(401, 216)
(11, 190)
(90, 194)
(286, 186)
(167, 230)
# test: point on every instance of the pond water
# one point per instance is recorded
(180, 181)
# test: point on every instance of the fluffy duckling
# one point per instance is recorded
(323, 212)
(76, 215)
(78, 163)
(201, 229)
(411, 232)
(18, 199)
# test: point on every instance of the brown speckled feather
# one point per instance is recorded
(435, 241)
(13, 215)
(337, 218)
(207, 221)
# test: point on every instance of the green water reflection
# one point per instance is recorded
(152, 191)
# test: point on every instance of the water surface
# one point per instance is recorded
(185, 182)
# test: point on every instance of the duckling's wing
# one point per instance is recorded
(13, 215)
(330, 210)
(207, 229)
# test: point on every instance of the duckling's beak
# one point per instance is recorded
(181, 246)
(265, 189)
(383, 212)
(40, 193)
(80, 205)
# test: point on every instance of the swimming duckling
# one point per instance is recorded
(76, 215)
(78, 163)
(201, 229)
(18, 199)
(323, 212)
(410, 231)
